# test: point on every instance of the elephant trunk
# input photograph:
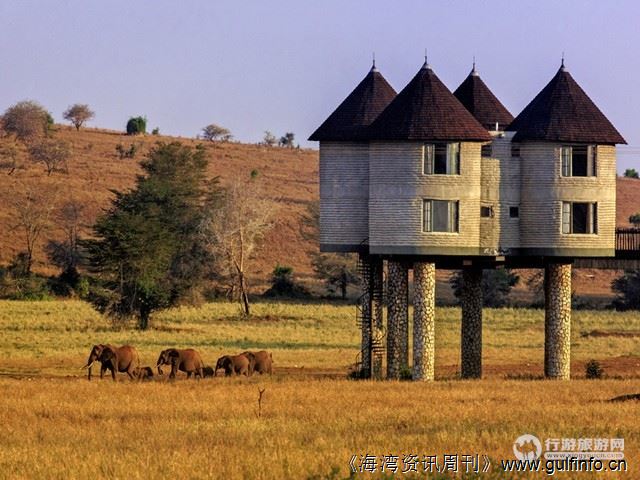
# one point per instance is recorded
(159, 369)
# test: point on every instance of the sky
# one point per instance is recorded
(284, 66)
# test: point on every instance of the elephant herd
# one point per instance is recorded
(125, 359)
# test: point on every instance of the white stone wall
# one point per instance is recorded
(344, 194)
(397, 188)
(544, 189)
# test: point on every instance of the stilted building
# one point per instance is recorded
(430, 179)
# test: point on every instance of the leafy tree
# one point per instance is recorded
(146, 252)
(78, 114)
(26, 120)
(215, 132)
(496, 286)
(631, 173)
(52, 153)
(635, 219)
(137, 126)
(287, 140)
(628, 289)
(234, 230)
(269, 139)
(283, 284)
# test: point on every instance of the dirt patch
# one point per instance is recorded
(612, 333)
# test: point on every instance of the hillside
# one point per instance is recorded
(290, 178)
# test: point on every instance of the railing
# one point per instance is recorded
(628, 239)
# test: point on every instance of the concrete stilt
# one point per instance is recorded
(471, 330)
(424, 281)
(557, 321)
(397, 318)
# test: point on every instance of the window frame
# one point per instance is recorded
(567, 165)
(568, 218)
(452, 163)
(453, 216)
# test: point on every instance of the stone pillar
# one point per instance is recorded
(397, 318)
(424, 303)
(557, 321)
(365, 316)
(471, 330)
(377, 310)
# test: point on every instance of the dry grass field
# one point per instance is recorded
(56, 424)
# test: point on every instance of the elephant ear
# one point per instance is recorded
(173, 353)
(106, 355)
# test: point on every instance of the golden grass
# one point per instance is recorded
(55, 424)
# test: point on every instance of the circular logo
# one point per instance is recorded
(527, 447)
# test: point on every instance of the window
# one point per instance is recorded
(515, 150)
(485, 150)
(486, 211)
(578, 160)
(514, 212)
(441, 158)
(440, 216)
(578, 217)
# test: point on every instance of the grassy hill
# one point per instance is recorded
(290, 177)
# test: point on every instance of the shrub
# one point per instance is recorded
(635, 219)
(496, 286)
(255, 173)
(26, 120)
(137, 126)
(283, 284)
(126, 152)
(631, 173)
(155, 131)
(594, 370)
(628, 289)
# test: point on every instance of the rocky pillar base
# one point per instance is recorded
(424, 295)
(557, 321)
(397, 319)
(471, 332)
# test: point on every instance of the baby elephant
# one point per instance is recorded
(144, 373)
(261, 362)
(188, 361)
(234, 365)
(208, 371)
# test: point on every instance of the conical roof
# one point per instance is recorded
(349, 121)
(426, 110)
(562, 112)
(476, 97)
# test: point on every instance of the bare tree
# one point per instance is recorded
(65, 254)
(26, 120)
(9, 155)
(269, 139)
(234, 230)
(78, 114)
(215, 132)
(52, 153)
(32, 206)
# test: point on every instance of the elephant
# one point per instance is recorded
(208, 371)
(261, 362)
(233, 365)
(188, 361)
(144, 373)
(115, 359)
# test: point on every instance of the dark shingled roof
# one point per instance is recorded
(474, 94)
(562, 112)
(349, 121)
(426, 110)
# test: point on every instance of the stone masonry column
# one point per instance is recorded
(471, 330)
(365, 316)
(377, 320)
(424, 302)
(557, 321)
(397, 318)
